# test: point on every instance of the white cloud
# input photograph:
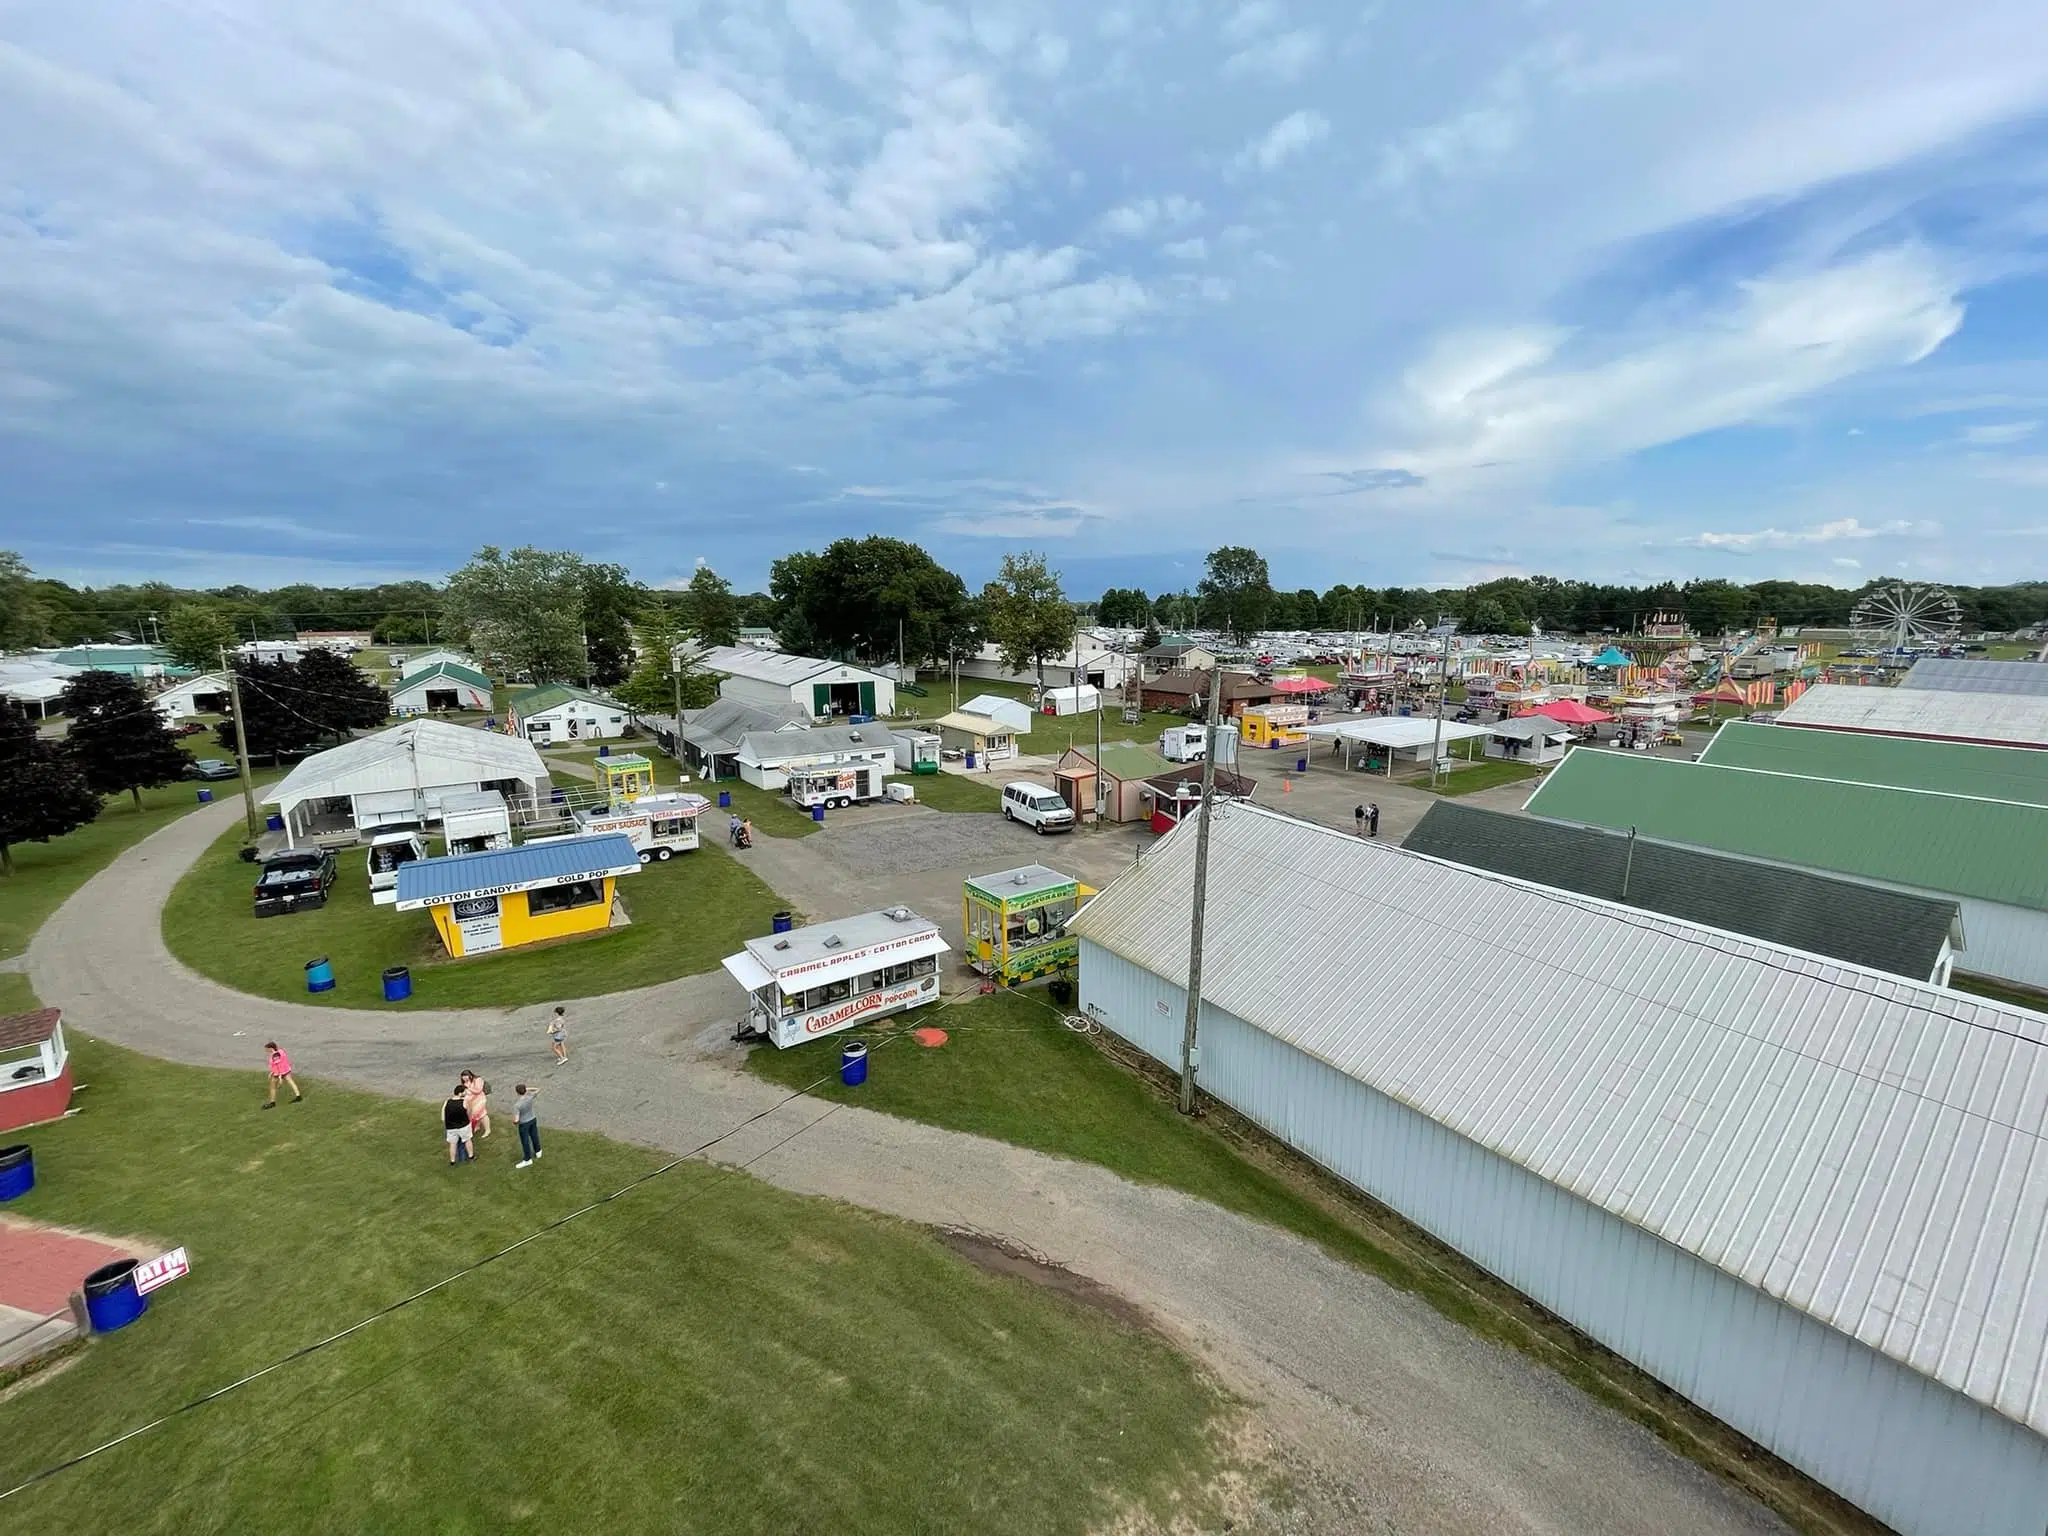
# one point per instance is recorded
(1843, 562)
(1249, 20)
(1294, 133)
(1135, 219)
(1801, 538)
(1539, 395)
(1195, 249)
(1282, 58)
(1995, 434)
(2029, 472)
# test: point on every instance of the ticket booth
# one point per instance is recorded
(507, 897)
(624, 778)
(35, 1069)
(1015, 923)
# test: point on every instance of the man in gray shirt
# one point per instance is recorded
(529, 1125)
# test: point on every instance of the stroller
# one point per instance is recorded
(742, 835)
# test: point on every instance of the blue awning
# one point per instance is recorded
(553, 861)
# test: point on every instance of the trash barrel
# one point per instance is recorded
(853, 1064)
(818, 813)
(1301, 765)
(604, 751)
(784, 922)
(111, 1300)
(725, 799)
(17, 1172)
(206, 797)
(397, 984)
(970, 760)
(319, 975)
(274, 822)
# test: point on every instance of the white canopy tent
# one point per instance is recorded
(400, 776)
(1395, 735)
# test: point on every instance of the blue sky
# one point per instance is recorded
(1396, 294)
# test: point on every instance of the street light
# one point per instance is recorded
(1445, 628)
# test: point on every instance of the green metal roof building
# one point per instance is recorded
(2018, 774)
(1991, 855)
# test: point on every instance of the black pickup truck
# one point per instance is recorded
(294, 880)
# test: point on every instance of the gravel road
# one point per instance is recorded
(1393, 1418)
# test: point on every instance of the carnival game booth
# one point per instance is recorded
(623, 777)
(35, 1069)
(1015, 923)
(806, 982)
(507, 897)
(1174, 796)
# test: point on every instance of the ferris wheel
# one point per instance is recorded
(1905, 611)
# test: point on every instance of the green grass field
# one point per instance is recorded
(687, 915)
(957, 792)
(46, 873)
(16, 995)
(773, 814)
(1488, 773)
(707, 1354)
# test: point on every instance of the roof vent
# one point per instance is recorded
(899, 914)
(833, 941)
(782, 943)
(1022, 877)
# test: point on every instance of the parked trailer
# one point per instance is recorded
(658, 826)
(831, 976)
(388, 851)
(835, 786)
(476, 821)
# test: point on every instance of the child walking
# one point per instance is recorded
(280, 1072)
(558, 1033)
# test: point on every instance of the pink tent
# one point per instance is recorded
(1566, 712)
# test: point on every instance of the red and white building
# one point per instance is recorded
(35, 1069)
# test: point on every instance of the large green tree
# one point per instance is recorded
(523, 611)
(1027, 615)
(664, 677)
(119, 740)
(1236, 591)
(43, 792)
(609, 597)
(714, 615)
(24, 619)
(291, 706)
(196, 633)
(860, 596)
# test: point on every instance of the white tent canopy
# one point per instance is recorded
(401, 774)
(1394, 735)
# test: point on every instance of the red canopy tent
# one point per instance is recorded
(1566, 712)
(1301, 685)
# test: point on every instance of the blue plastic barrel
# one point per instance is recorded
(274, 822)
(17, 1172)
(206, 797)
(725, 799)
(853, 1064)
(784, 922)
(604, 751)
(970, 760)
(111, 1300)
(817, 813)
(397, 984)
(1301, 765)
(319, 975)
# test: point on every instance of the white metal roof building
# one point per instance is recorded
(1395, 736)
(1949, 674)
(766, 758)
(401, 775)
(1811, 1197)
(822, 689)
(1993, 719)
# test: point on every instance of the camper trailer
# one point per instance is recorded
(475, 821)
(658, 826)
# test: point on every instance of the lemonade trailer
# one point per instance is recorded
(512, 896)
(808, 982)
(1016, 923)
(624, 777)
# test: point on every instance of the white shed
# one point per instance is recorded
(1074, 699)
(401, 775)
(824, 690)
(206, 694)
(1807, 1196)
(1001, 708)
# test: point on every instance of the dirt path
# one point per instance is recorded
(1400, 1420)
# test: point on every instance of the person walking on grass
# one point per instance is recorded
(280, 1072)
(455, 1121)
(529, 1126)
(558, 1034)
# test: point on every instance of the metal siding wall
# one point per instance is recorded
(1890, 1440)
(2006, 942)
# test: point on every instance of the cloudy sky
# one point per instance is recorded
(1397, 294)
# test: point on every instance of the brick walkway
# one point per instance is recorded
(41, 1266)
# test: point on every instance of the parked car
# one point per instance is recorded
(294, 880)
(189, 728)
(214, 768)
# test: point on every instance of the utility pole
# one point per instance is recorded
(241, 740)
(1190, 1057)
(1446, 628)
(1628, 867)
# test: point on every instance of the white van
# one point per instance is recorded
(1037, 807)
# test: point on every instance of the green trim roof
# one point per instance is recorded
(1871, 925)
(539, 700)
(1902, 762)
(1990, 849)
(1126, 760)
(468, 675)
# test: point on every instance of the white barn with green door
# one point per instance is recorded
(826, 690)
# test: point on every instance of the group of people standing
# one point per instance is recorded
(466, 1112)
(1368, 818)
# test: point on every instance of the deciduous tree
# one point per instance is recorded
(714, 615)
(43, 792)
(1027, 615)
(1236, 591)
(119, 740)
(523, 611)
(195, 634)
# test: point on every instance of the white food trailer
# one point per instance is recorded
(389, 850)
(658, 826)
(476, 821)
(837, 784)
(830, 976)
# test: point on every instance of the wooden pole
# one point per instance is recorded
(1189, 1059)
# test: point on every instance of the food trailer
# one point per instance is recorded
(474, 821)
(917, 751)
(837, 784)
(388, 852)
(1277, 726)
(1015, 923)
(512, 896)
(658, 826)
(819, 980)
(624, 777)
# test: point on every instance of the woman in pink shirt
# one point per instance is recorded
(474, 1092)
(280, 1072)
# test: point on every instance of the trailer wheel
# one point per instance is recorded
(646, 858)
(664, 854)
